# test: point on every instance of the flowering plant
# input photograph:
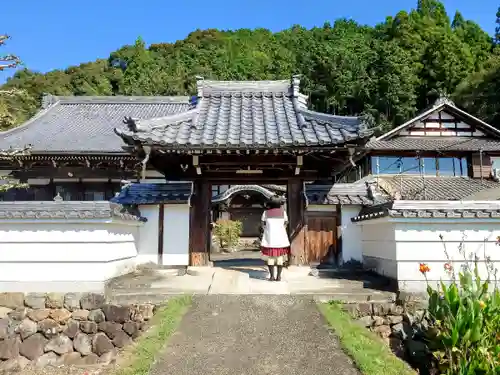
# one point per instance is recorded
(465, 338)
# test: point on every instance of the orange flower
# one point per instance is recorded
(423, 268)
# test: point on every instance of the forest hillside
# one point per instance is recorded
(387, 72)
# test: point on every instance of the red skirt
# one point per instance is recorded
(275, 251)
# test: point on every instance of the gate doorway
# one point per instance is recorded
(241, 206)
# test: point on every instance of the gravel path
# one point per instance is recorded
(255, 335)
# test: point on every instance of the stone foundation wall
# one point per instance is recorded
(65, 329)
(402, 327)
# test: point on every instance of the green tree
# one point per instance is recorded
(388, 72)
(497, 28)
(8, 62)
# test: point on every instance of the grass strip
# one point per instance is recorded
(141, 356)
(371, 355)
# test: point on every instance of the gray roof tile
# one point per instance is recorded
(441, 210)
(341, 193)
(408, 187)
(147, 193)
(253, 114)
(86, 123)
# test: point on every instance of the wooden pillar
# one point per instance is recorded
(296, 221)
(199, 221)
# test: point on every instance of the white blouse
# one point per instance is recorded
(275, 235)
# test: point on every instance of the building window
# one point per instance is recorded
(413, 165)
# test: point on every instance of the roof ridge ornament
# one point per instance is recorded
(296, 85)
(131, 123)
(48, 100)
(444, 99)
(199, 84)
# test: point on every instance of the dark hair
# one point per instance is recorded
(274, 202)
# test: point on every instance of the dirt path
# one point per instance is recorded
(253, 335)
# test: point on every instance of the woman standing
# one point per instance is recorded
(275, 245)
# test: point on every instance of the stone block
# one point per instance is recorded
(132, 328)
(383, 331)
(101, 344)
(14, 365)
(80, 314)
(97, 316)
(88, 360)
(70, 359)
(54, 301)
(72, 301)
(111, 329)
(35, 300)
(72, 328)
(33, 346)
(92, 301)
(9, 348)
(4, 312)
(18, 314)
(83, 343)
(49, 328)
(108, 357)
(12, 300)
(61, 316)
(88, 327)
(121, 339)
(27, 328)
(38, 314)
(117, 314)
(61, 344)
(48, 359)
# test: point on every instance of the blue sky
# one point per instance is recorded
(55, 34)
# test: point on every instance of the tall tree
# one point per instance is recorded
(497, 28)
(8, 62)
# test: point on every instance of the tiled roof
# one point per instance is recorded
(340, 193)
(431, 188)
(243, 188)
(86, 123)
(432, 210)
(67, 210)
(435, 144)
(239, 115)
(146, 193)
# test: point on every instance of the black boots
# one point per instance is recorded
(278, 276)
(271, 269)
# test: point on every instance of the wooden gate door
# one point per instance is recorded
(321, 237)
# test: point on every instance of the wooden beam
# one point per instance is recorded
(199, 231)
(296, 221)
(161, 225)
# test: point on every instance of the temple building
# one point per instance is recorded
(237, 144)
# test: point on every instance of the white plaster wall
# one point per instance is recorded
(176, 235)
(59, 255)
(379, 247)
(418, 242)
(148, 235)
(352, 244)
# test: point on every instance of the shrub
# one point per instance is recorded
(228, 232)
(465, 337)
